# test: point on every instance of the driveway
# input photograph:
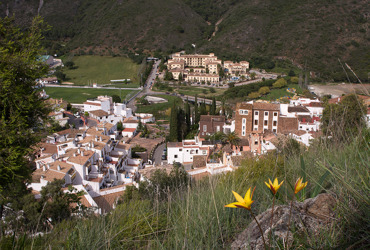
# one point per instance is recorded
(158, 154)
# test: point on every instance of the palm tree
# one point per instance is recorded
(231, 138)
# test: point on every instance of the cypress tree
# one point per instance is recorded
(173, 123)
(203, 109)
(196, 112)
(213, 107)
(187, 115)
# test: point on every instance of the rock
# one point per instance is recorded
(309, 217)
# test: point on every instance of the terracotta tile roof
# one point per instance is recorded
(207, 118)
(70, 132)
(244, 105)
(106, 202)
(129, 130)
(129, 120)
(298, 109)
(123, 146)
(266, 106)
(79, 159)
(174, 144)
(287, 124)
(98, 113)
(106, 125)
(92, 103)
(48, 148)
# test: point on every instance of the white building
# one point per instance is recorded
(183, 152)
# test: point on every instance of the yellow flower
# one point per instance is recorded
(299, 185)
(274, 186)
(242, 203)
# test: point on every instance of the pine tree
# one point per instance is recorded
(23, 113)
(181, 124)
(223, 107)
(196, 112)
(173, 124)
(213, 107)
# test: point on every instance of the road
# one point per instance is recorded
(147, 87)
(158, 154)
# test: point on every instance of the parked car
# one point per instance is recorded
(164, 157)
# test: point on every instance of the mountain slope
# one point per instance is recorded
(313, 34)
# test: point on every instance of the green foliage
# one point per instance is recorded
(280, 83)
(23, 113)
(70, 64)
(254, 95)
(120, 126)
(245, 90)
(168, 76)
(264, 90)
(116, 99)
(345, 120)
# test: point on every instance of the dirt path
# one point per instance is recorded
(216, 28)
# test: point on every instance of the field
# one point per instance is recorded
(277, 93)
(159, 109)
(102, 69)
(79, 95)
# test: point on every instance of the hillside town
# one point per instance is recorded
(98, 157)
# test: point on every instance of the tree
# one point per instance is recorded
(173, 124)
(254, 95)
(60, 75)
(196, 112)
(291, 73)
(187, 115)
(24, 114)
(221, 72)
(253, 75)
(116, 99)
(180, 77)
(119, 126)
(203, 108)
(264, 90)
(70, 64)
(168, 76)
(345, 120)
(280, 83)
(231, 138)
(213, 107)
(294, 80)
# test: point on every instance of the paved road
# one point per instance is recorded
(158, 154)
(147, 86)
(86, 87)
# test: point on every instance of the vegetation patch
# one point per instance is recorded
(160, 110)
(79, 95)
(102, 69)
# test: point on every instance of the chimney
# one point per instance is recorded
(101, 139)
(82, 153)
(79, 150)
(44, 168)
(48, 165)
(59, 168)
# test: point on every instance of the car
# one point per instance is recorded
(164, 157)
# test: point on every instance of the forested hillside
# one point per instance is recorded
(313, 34)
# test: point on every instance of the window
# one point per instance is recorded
(255, 122)
(243, 133)
(256, 113)
(275, 113)
(196, 151)
(255, 129)
(265, 122)
(243, 127)
(218, 128)
(266, 113)
(274, 130)
(180, 149)
(204, 152)
(256, 142)
(205, 128)
(275, 123)
(175, 156)
(244, 121)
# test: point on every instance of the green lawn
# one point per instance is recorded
(102, 69)
(159, 109)
(79, 95)
(277, 93)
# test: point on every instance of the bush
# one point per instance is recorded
(280, 83)
(264, 90)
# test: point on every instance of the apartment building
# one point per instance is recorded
(210, 124)
(235, 69)
(259, 117)
(184, 151)
(202, 77)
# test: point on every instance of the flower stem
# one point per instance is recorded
(272, 216)
(290, 216)
(259, 226)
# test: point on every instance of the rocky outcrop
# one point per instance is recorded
(309, 217)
